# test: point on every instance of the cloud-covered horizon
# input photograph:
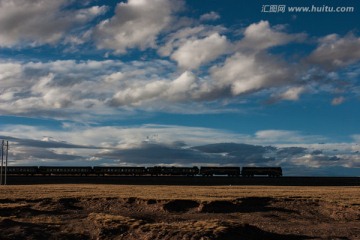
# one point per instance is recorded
(177, 146)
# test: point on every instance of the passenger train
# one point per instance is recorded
(143, 171)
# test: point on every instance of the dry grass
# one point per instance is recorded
(74, 211)
(201, 193)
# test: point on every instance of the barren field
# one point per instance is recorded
(178, 212)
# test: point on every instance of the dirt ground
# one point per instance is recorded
(178, 212)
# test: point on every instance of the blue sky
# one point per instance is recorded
(178, 82)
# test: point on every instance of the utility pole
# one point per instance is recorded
(4, 151)
(6, 160)
(2, 161)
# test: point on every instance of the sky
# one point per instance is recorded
(182, 83)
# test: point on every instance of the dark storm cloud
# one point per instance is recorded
(42, 144)
(290, 152)
(222, 153)
(39, 155)
(239, 152)
(155, 153)
(317, 152)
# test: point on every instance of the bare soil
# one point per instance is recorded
(178, 212)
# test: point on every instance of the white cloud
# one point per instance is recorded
(136, 24)
(279, 137)
(261, 35)
(180, 89)
(32, 22)
(9, 73)
(36, 89)
(125, 137)
(43, 88)
(104, 88)
(321, 160)
(88, 90)
(334, 52)
(186, 34)
(211, 16)
(290, 93)
(84, 15)
(252, 72)
(174, 40)
(195, 52)
(121, 137)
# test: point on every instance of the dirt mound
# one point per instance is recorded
(69, 203)
(219, 207)
(151, 201)
(107, 226)
(11, 229)
(119, 227)
(137, 218)
(180, 205)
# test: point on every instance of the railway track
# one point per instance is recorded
(183, 180)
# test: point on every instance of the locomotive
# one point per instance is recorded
(205, 171)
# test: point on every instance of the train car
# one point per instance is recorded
(119, 171)
(138, 171)
(173, 171)
(21, 170)
(264, 171)
(61, 170)
(229, 171)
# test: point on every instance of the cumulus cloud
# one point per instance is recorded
(195, 52)
(45, 88)
(136, 24)
(251, 72)
(9, 75)
(261, 35)
(32, 22)
(176, 39)
(42, 88)
(179, 89)
(334, 52)
(252, 68)
(204, 66)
